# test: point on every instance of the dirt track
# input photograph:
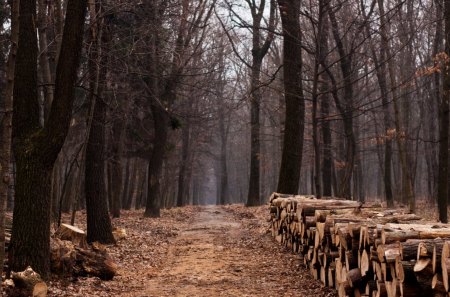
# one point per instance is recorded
(218, 256)
(197, 251)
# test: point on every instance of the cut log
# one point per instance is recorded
(66, 258)
(346, 245)
(445, 264)
(40, 290)
(30, 281)
(73, 234)
(119, 234)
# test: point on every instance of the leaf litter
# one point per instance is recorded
(197, 251)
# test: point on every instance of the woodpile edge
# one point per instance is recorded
(364, 250)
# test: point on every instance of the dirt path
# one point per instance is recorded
(201, 263)
(218, 256)
(197, 251)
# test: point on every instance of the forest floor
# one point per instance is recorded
(198, 251)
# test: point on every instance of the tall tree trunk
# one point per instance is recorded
(444, 122)
(291, 160)
(161, 122)
(223, 197)
(345, 108)
(407, 185)
(380, 68)
(44, 62)
(185, 147)
(321, 47)
(327, 162)
(253, 197)
(35, 148)
(6, 127)
(259, 50)
(99, 226)
(126, 202)
(117, 139)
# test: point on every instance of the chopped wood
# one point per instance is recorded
(67, 258)
(27, 280)
(346, 244)
(73, 234)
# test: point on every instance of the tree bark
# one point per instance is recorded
(444, 122)
(345, 108)
(161, 122)
(35, 148)
(99, 226)
(381, 73)
(223, 197)
(44, 62)
(408, 186)
(259, 50)
(6, 127)
(182, 176)
(291, 160)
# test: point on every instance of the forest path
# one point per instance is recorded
(204, 260)
(218, 255)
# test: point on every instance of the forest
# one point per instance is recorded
(153, 116)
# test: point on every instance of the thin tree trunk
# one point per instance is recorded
(6, 127)
(253, 197)
(185, 147)
(117, 139)
(44, 62)
(128, 182)
(223, 197)
(346, 109)
(380, 67)
(444, 122)
(161, 122)
(408, 187)
(259, 50)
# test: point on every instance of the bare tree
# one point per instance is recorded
(6, 126)
(444, 120)
(291, 160)
(36, 148)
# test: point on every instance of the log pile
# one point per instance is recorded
(364, 250)
(72, 255)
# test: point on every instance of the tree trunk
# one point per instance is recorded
(99, 226)
(44, 62)
(161, 122)
(259, 50)
(36, 149)
(321, 47)
(291, 159)
(345, 108)
(6, 128)
(444, 122)
(185, 147)
(223, 197)
(117, 139)
(253, 197)
(407, 185)
(380, 67)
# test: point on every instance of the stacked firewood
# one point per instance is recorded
(364, 250)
